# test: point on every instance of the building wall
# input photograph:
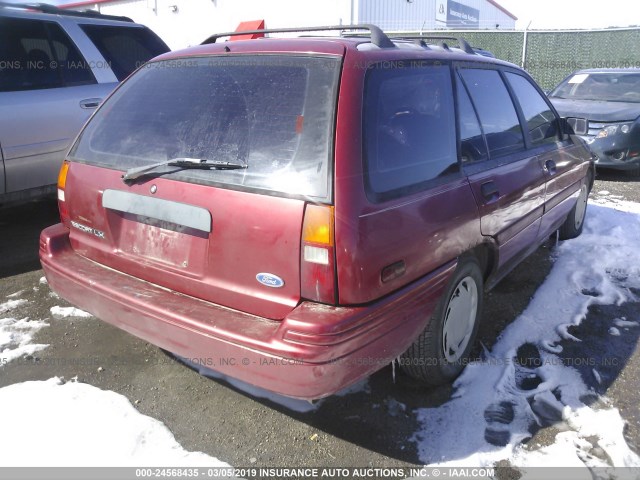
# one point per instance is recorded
(182, 23)
(398, 14)
(195, 20)
(417, 15)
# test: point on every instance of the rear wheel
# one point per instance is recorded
(442, 350)
(572, 226)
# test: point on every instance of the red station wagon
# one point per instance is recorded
(303, 211)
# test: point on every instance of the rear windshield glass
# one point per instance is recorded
(610, 87)
(271, 113)
(125, 48)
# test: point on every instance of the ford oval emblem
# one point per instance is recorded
(270, 280)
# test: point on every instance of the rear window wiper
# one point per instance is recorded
(183, 163)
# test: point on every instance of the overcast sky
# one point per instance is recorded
(558, 13)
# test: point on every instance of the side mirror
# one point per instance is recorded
(575, 126)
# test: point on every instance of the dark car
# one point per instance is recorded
(299, 212)
(610, 100)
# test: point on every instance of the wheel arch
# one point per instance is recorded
(486, 254)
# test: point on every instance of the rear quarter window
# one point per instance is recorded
(125, 48)
(409, 129)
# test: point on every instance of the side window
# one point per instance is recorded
(409, 129)
(541, 121)
(125, 48)
(472, 146)
(36, 55)
(496, 111)
(75, 70)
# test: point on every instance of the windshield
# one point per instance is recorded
(272, 113)
(604, 86)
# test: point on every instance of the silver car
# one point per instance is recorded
(56, 66)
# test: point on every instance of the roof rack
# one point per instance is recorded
(52, 9)
(466, 47)
(378, 37)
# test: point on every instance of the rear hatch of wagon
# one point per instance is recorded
(229, 234)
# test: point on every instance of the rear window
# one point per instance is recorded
(125, 48)
(274, 114)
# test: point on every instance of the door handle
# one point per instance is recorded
(89, 103)
(489, 191)
(550, 167)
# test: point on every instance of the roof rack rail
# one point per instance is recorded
(378, 37)
(52, 9)
(466, 47)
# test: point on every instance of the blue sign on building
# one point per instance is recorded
(462, 16)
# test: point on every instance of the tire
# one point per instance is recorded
(441, 351)
(572, 226)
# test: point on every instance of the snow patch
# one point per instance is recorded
(11, 305)
(16, 336)
(64, 312)
(622, 323)
(53, 424)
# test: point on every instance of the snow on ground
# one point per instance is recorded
(11, 305)
(16, 334)
(63, 312)
(17, 331)
(517, 386)
(53, 423)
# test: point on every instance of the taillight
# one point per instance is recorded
(317, 262)
(62, 198)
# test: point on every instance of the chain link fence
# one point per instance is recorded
(550, 56)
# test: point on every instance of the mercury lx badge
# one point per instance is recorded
(84, 228)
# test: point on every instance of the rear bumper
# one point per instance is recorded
(316, 350)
